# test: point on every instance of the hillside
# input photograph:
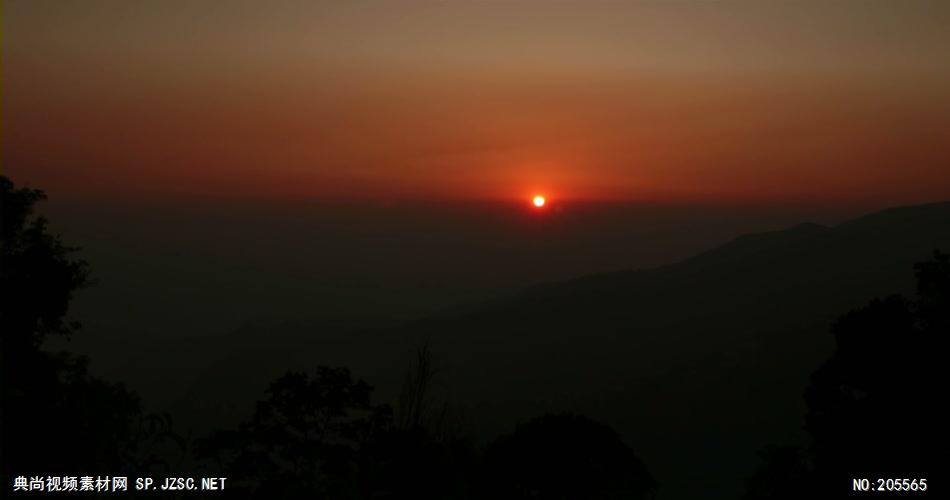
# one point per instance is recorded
(698, 364)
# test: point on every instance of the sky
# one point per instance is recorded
(803, 102)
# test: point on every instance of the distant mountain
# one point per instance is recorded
(698, 363)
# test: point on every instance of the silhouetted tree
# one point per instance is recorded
(875, 409)
(303, 441)
(39, 275)
(321, 437)
(564, 456)
(55, 417)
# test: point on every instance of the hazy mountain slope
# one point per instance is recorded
(697, 363)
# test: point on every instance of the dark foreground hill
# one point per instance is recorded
(698, 364)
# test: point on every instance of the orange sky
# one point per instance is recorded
(581, 100)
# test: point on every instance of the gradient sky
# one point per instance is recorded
(656, 101)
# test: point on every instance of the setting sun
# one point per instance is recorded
(538, 201)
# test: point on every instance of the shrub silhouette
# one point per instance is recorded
(423, 454)
(564, 456)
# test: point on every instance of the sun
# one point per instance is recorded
(538, 201)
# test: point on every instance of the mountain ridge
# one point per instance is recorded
(740, 326)
(698, 364)
(747, 243)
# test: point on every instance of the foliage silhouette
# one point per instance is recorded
(322, 437)
(39, 274)
(564, 456)
(874, 409)
(303, 440)
(55, 417)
